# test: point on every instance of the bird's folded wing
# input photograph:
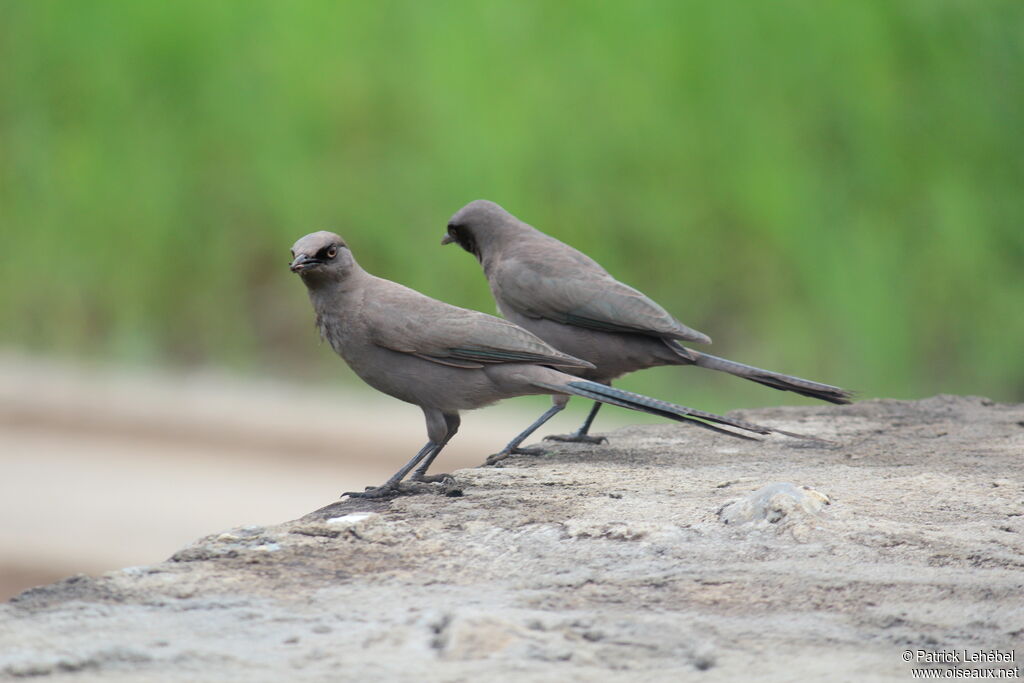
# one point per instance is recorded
(589, 298)
(409, 322)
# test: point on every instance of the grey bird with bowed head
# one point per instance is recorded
(443, 358)
(568, 300)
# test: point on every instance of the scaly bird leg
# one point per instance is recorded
(513, 445)
(581, 435)
(392, 487)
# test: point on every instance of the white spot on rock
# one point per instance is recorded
(354, 518)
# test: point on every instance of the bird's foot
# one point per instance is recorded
(416, 484)
(389, 490)
(501, 455)
(431, 478)
(576, 437)
(374, 492)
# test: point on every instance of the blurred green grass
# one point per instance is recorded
(829, 189)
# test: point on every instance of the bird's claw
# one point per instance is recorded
(576, 438)
(386, 491)
(374, 492)
(414, 485)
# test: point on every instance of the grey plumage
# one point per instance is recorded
(568, 300)
(443, 358)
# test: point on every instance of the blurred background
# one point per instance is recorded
(829, 190)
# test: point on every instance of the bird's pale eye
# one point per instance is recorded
(332, 252)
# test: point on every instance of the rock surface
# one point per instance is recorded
(668, 554)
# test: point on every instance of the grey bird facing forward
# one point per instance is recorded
(443, 358)
(568, 300)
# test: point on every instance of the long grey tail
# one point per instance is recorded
(653, 406)
(775, 380)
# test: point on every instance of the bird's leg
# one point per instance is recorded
(421, 472)
(513, 445)
(392, 486)
(581, 435)
(442, 431)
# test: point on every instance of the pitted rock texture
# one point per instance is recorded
(609, 563)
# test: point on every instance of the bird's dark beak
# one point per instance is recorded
(447, 239)
(303, 262)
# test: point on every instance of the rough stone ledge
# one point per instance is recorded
(668, 554)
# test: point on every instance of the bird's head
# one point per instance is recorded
(478, 225)
(320, 257)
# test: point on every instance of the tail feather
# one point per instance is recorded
(653, 406)
(678, 416)
(775, 380)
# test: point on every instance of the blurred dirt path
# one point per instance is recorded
(104, 468)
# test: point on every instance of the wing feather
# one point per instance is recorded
(406, 321)
(574, 292)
